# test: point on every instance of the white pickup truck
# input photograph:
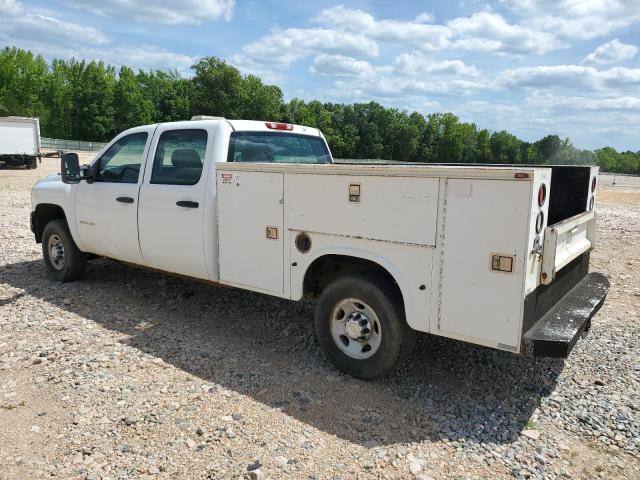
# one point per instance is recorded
(493, 255)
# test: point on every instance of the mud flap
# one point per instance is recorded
(556, 333)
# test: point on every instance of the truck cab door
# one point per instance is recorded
(172, 197)
(107, 209)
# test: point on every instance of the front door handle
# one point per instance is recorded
(124, 199)
(187, 204)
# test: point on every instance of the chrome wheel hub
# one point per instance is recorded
(355, 328)
(358, 326)
(56, 252)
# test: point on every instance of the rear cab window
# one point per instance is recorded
(277, 147)
(178, 157)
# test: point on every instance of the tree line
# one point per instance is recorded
(93, 101)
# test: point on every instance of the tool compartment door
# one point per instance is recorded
(481, 300)
(250, 230)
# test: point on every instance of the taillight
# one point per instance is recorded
(542, 194)
(593, 184)
(279, 126)
(539, 222)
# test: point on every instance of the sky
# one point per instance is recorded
(532, 67)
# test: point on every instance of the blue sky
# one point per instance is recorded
(532, 67)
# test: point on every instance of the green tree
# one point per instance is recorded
(260, 101)
(130, 106)
(89, 101)
(217, 89)
(505, 147)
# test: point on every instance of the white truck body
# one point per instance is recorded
(19, 140)
(468, 247)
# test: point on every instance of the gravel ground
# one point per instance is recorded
(134, 374)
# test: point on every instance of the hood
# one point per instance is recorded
(52, 178)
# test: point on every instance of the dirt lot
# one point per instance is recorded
(133, 374)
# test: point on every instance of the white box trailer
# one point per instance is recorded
(19, 141)
(493, 255)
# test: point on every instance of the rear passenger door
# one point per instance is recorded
(171, 205)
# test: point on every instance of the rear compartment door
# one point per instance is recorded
(566, 241)
(481, 302)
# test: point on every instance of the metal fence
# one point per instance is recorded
(58, 144)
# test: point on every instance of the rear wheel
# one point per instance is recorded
(64, 261)
(360, 325)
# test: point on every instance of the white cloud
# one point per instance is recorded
(548, 101)
(56, 38)
(416, 33)
(10, 7)
(341, 66)
(570, 77)
(576, 19)
(398, 87)
(352, 33)
(281, 48)
(490, 115)
(160, 11)
(425, 18)
(489, 31)
(420, 65)
(43, 33)
(405, 65)
(611, 52)
(146, 57)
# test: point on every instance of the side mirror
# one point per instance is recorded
(70, 168)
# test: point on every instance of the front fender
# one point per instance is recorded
(50, 190)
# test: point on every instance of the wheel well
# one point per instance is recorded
(46, 212)
(327, 268)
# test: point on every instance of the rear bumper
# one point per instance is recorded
(557, 331)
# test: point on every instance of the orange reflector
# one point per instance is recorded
(522, 175)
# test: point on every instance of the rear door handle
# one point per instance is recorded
(124, 199)
(187, 204)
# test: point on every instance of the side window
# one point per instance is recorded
(121, 163)
(178, 158)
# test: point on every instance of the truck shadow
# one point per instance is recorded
(263, 347)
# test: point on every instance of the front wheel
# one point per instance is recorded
(64, 261)
(360, 325)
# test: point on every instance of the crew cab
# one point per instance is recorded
(495, 255)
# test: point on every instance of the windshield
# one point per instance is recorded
(277, 147)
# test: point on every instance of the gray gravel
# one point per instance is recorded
(134, 374)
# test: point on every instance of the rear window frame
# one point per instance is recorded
(235, 134)
(155, 178)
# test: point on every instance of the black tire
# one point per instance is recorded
(397, 338)
(74, 262)
(33, 163)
